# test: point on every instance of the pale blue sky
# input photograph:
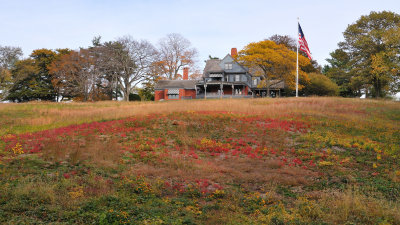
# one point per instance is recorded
(213, 26)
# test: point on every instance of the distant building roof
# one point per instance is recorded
(278, 84)
(275, 84)
(182, 84)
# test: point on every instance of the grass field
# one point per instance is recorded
(249, 161)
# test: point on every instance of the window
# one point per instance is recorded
(228, 66)
(173, 96)
(173, 93)
(255, 82)
(237, 78)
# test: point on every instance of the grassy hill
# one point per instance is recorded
(233, 161)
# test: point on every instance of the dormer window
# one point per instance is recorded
(228, 66)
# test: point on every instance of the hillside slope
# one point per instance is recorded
(250, 161)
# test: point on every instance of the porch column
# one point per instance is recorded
(279, 92)
(220, 90)
(205, 91)
(233, 90)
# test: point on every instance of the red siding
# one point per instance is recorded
(246, 90)
(227, 90)
(181, 93)
(158, 95)
(191, 93)
(163, 94)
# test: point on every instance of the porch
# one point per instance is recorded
(215, 96)
(222, 90)
(262, 93)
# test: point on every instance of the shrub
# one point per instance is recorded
(321, 85)
(134, 97)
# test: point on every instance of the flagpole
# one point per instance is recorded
(297, 63)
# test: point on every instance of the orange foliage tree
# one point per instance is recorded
(73, 74)
(175, 52)
(273, 63)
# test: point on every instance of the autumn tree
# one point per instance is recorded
(25, 85)
(107, 63)
(75, 75)
(373, 48)
(175, 52)
(196, 74)
(105, 56)
(285, 40)
(273, 63)
(8, 57)
(339, 71)
(134, 60)
(35, 84)
(291, 44)
(320, 85)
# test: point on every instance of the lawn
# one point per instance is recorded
(232, 161)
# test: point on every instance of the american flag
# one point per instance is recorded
(303, 43)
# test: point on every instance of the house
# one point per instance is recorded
(225, 78)
(175, 89)
(222, 78)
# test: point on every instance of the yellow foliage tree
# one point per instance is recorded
(273, 63)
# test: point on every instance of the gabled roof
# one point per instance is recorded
(181, 84)
(212, 65)
(229, 58)
(218, 66)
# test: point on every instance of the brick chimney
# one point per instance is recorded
(186, 73)
(233, 52)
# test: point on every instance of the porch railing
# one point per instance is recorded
(214, 96)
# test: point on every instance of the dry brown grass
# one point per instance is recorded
(49, 115)
(104, 153)
(252, 174)
(351, 205)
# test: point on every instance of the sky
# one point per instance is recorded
(212, 26)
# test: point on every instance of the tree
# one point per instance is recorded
(285, 40)
(34, 81)
(291, 44)
(320, 85)
(273, 62)
(339, 71)
(175, 52)
(386, 65)
(146, 93)
(104, 55)
(8, 57)
(134, 60)
(44, 88)
(372, 46)
(24, 84)
(74, 75)
(196, 75)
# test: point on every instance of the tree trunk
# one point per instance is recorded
(126, 94)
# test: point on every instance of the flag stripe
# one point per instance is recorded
(303, 45)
